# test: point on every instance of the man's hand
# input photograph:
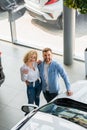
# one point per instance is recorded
(69, 93)
(39, 62)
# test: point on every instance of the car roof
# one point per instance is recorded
(79, 89)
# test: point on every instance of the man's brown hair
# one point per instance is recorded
(47, 49)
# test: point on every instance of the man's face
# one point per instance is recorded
(47, 56)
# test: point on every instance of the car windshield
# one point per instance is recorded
(72, 114)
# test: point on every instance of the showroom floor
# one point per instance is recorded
(13, 91)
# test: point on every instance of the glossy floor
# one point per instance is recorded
(13, 91)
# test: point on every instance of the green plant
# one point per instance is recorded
(80, 5)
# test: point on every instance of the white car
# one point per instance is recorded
(6, 5)
(62, 113)
(46, 10)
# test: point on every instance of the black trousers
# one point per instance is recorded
(49, 96)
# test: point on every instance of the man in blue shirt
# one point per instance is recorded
(50, 71)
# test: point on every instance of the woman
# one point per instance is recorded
(30, 75)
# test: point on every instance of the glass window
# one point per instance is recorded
(32, 32)
(71, 114)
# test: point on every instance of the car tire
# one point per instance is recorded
(59, 22)
(2, 9)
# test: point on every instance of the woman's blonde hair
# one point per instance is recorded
(29, 54)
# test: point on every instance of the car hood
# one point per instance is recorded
(79, 89)
(44, 121)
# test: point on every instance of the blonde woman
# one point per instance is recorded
(30, 75)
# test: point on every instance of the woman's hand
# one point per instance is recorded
(27, 82)
(25, 71)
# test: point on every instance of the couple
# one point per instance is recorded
(42, 75)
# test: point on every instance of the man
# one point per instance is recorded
(49, 72)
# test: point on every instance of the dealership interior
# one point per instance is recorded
(32, 34)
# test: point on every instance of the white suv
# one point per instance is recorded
(62, 113)
(46, 10)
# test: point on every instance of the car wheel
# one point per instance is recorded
(2, 9)
(59, 22)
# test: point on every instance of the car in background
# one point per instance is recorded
(6, 5)
(2, 75)
(49, 11)
(62, 113)
(15, 8)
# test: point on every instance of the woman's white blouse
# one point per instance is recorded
(32, 75)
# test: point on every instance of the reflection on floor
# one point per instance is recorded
(13, 91)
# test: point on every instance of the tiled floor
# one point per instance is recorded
(13, 91)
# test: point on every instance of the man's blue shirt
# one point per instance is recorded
(54, 71)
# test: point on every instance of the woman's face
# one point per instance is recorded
(33, 58)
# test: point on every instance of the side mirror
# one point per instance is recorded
(28, 108)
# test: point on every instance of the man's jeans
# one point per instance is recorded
(49, 96)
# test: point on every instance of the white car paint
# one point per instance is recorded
(79, 89)
(38, 10)
(45, 121)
